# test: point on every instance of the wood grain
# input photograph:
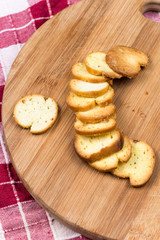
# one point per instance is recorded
(97, 205)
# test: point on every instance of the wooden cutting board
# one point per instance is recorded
(95, 204)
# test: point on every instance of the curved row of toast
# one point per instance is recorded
(98, 141)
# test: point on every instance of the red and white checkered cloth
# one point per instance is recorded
(20, 216)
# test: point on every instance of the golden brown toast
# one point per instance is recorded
(126, 61)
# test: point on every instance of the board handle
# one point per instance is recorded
(148, 5)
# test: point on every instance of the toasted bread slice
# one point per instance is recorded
(36, 112)
(106, 98)
(105, 164)
(79, 71)
(126, 61)
(93, 129)
(125, 153)
(96, 64)
(78, 103)
(140, 166)
(111, 162)
(97, 147)
(97, 114)
(86, 89)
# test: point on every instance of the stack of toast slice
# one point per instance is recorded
(98, 140)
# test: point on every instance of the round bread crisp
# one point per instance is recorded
(105, 98)
(111, 162)
(97, 147)
(79, 71)
(125, 153)
(96, 64)
(79, 103)
(140, 166)
(87, 89)
(126, 61)
(36, 112)
(97, 114)
(93, 129)
(105, 164)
